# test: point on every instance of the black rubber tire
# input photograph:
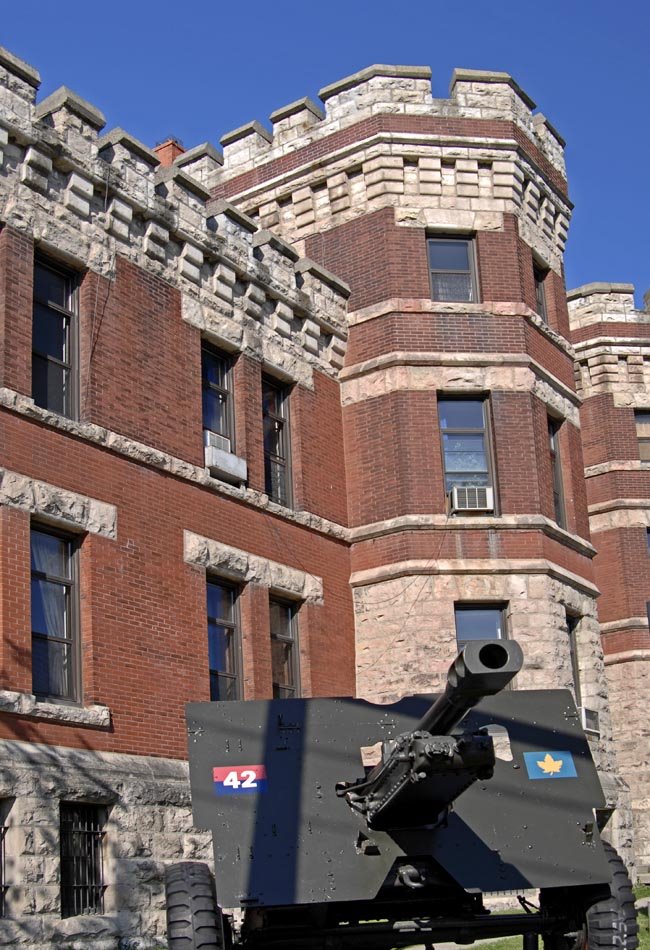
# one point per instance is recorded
(610, 923)
(613, 922)
(194, 920)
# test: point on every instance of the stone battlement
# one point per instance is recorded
(602, 302)
(87, 197)
(396, 90)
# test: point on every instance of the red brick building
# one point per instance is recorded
(228, 472)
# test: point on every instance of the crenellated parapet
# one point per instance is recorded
(87, 197)
(410, 151)
(612, 343)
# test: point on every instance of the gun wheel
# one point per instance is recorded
(194, 919)
(611, 923)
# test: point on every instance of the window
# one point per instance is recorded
(464, 431)
(556, 470)
(216, 376)
(539, 276)
(572, 628)
(82, 871)
(223, 640)
(275, 413)
(284, 656)
(479, 622)
(453, 269)
(54, 340)
(642, 420)
(55, 616)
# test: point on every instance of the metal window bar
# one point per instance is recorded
(3, 881)
(82, 866)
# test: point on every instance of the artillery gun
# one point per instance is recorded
(338, 823)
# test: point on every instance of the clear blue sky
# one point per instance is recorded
(197, 70)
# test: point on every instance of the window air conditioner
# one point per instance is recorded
(590, 720)
(471, 498)
(216, 441)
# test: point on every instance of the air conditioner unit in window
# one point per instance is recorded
(471, 498)
(590, 720)
(216, 441)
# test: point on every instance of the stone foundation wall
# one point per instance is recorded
(148, 824)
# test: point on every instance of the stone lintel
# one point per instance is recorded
(305, 104)
(388, 72)
(221, 206)
(250, 128)
(64, 98)
(487, 76)
(307, 266)
(206, 150)
(118, 136)
(174, 174)
(269, 237)
(599, 287)
(20, 68)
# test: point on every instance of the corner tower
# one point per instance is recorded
(466, 504)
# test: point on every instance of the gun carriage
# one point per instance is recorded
(339, 823)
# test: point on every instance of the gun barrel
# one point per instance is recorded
(482, 668)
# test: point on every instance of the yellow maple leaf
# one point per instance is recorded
(549, 765)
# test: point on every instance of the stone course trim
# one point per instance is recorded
(138, 452)
(629, 623)
(25, 704)
(472, 566)
(613, 659)
(247, 568)
(443, 522)
(619, 513)
(57, 505)
(616, 465)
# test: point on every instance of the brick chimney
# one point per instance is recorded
(168, 150)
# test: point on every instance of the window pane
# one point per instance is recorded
(215, 414)
(461, 413)
(49, 333)
(464, 453)
(449, 255)
(644, 450)
(479, 623)
(275, 482)
(223, 687)
(51, 668)
(221, 602)
(49, 554)
(50, 287)
(281, 616)
(451, 287)
(281, 658)
(214, 368)
(49, 381)
(272, 399)
(273, 437)
(220, 648)
(49, 609)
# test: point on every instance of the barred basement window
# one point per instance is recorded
(275, 414)
(284, 649)
(82, 868)
(54, 340)
(452, 266)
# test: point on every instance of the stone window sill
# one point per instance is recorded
(25, 704)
